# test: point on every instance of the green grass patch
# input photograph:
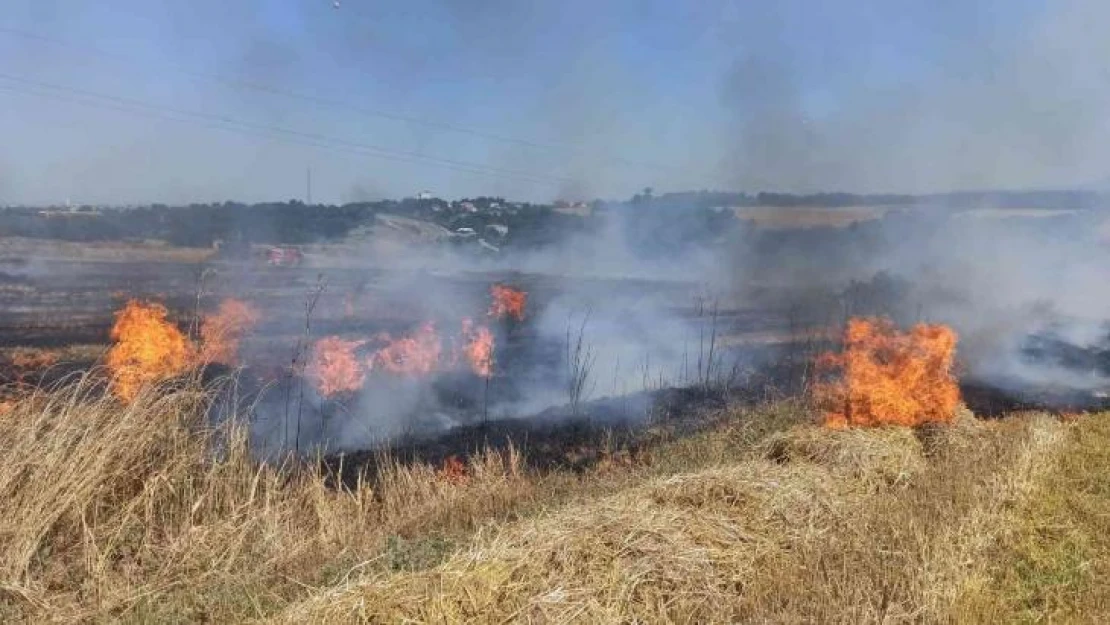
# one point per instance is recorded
(1054, 565)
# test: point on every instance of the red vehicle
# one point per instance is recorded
(284, 257)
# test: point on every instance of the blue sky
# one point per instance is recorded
(540, 100)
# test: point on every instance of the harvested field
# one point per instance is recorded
(786, 218)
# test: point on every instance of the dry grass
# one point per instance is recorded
(114, 251)
(786, 218)
(808, 537)
(878, 457)
(125, 513)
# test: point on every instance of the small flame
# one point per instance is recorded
(148, 349)
(24, 360)
(453, 471)
(507, 302)
(30, 358)
(334, 366)
(889, 377)
(478, 348)
(221, 332)
(414, 355)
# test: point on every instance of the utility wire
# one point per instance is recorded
(128, 105)
(85, 51)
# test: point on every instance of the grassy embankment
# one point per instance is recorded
(116, 513)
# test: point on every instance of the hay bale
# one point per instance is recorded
(879, 457)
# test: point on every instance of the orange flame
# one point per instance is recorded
(478, 348)
(411, 355)
(453, 471)
(221, 332)
(148, 349)
(888, 377)
(30, 358)
(334, 366)
(26, 359)
(507, 302)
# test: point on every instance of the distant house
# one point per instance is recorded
(84, 211)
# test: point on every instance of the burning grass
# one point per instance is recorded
(147, 349)
(885, 377)
(334, 367)
(222, 331)
(337, 367)
(507, 302)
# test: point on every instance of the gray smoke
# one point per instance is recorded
(1016, 99)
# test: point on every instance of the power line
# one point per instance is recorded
(86, 50)
(128, 105)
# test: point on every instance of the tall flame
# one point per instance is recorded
(507, 302)
(478, 348)
(334, 366)
(221, 332)
(884, 376)
(148, 349)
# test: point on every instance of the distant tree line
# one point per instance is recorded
(955, 200)
(652, 224)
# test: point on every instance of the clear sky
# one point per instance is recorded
(128, 101)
